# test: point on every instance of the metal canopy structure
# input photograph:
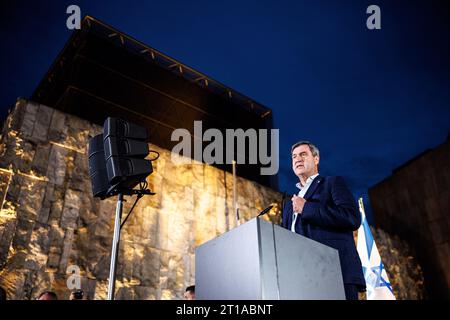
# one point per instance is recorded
(102, 72)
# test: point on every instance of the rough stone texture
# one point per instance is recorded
(49, 220)
(414, 203)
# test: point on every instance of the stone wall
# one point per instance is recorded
(414, 203)
(49, 220)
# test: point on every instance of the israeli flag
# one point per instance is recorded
(377, 282)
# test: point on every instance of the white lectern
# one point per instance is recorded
(259, 260)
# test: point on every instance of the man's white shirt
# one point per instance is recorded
(301, 193)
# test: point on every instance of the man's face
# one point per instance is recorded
(303, 162)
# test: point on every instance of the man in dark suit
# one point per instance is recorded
(324, 210)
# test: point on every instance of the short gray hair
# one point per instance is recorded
(313, 148)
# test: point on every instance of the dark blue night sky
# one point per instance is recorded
(370, 100)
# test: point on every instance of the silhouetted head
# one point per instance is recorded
(190, 293)
(2, 294)
(48, 295)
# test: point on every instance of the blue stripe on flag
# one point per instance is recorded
(368, 236)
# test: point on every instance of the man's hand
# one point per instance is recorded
(298, 203)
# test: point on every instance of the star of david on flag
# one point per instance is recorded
(377, 282)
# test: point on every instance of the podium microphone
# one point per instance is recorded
(265, 211)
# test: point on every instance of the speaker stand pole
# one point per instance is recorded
(115, 248)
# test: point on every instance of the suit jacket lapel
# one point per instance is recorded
(289, 213)
(312, 188)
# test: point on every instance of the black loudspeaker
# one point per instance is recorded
(125, 146)
(116, 158)
(97, 167)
